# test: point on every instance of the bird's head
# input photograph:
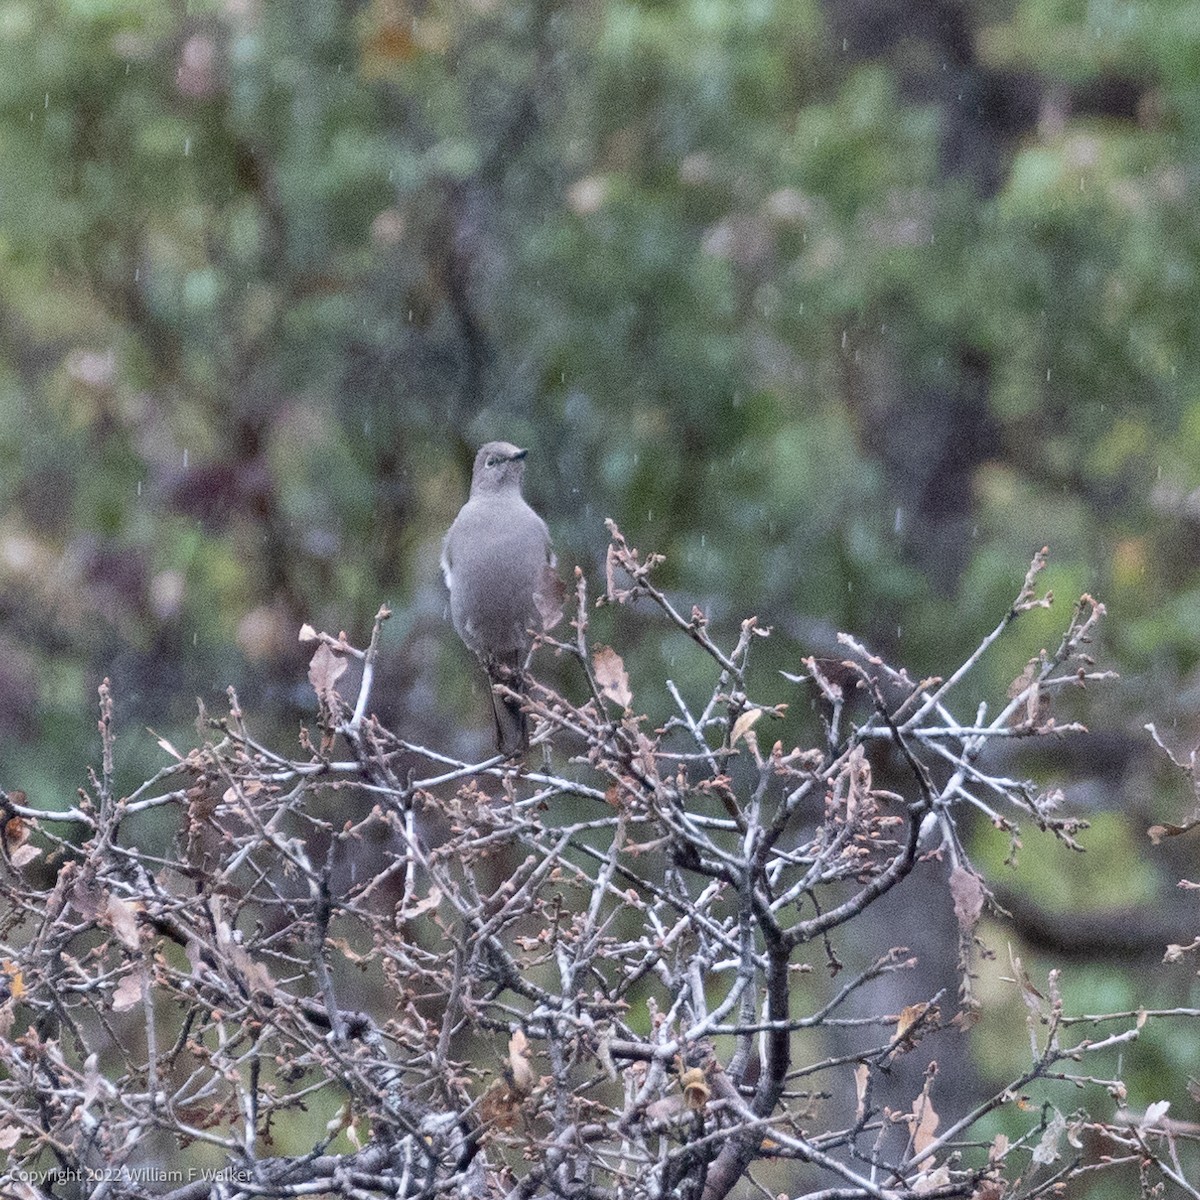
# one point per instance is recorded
(498, 465)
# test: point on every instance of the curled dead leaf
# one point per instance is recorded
(256, 975)
(668, 1109)
(16, 830)
(520, 1070)
(128, 993)
(1175, 951)
(968, 895)
(418, 908)
(967, 1017)
(611, 676)
(1034, 1000)
(1158, 833)
(339, 1121)
(695, 1088)
(23, 855)
(989, 1189)
(549, 597)
(14, 979)
(933, 1180)
(500, 1105)
(121, 916)
(1155, 1113)
(911, 1017)
(744, 724)
(325, 668)
(923, 1122)
(862, 1076)
(164, 744)
(349, 953)
(1046, 1151)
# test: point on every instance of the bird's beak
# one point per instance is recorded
(519, 454)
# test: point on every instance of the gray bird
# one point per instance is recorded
(499, 567)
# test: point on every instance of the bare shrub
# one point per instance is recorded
(612, 977)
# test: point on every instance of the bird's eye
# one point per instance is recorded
(492, 460)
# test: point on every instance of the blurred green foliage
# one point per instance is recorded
(846, 322)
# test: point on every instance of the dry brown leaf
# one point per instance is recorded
(500, 1105)
(1157, 833)
(669, 1108)
(15, 978)
(604, 1051)
(349, 953)
(256, 975)
(1037, 704)
(923, 1122)
(932, 1180)
(1023, 680)
(128, 993)
(24, 854)
(989, 1189)
(163, 744)
(17, 828)
(85, 893)
(1032, 997)
(520, 1069)
(744, 724)
(1155, 1113)
(862, 1075)
(646, 756)
(121, 916)
(1175, 951)
(967, 892)
(967, 1017)
(611, 562)
(549, 597)
(340, 1120)
(909, 1017)
(324, 670)
(695, 1088)
(610, 675)
(1046, 1151)
(419, 907)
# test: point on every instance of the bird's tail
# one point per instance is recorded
(512, 725)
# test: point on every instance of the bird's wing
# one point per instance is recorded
(445, 560)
